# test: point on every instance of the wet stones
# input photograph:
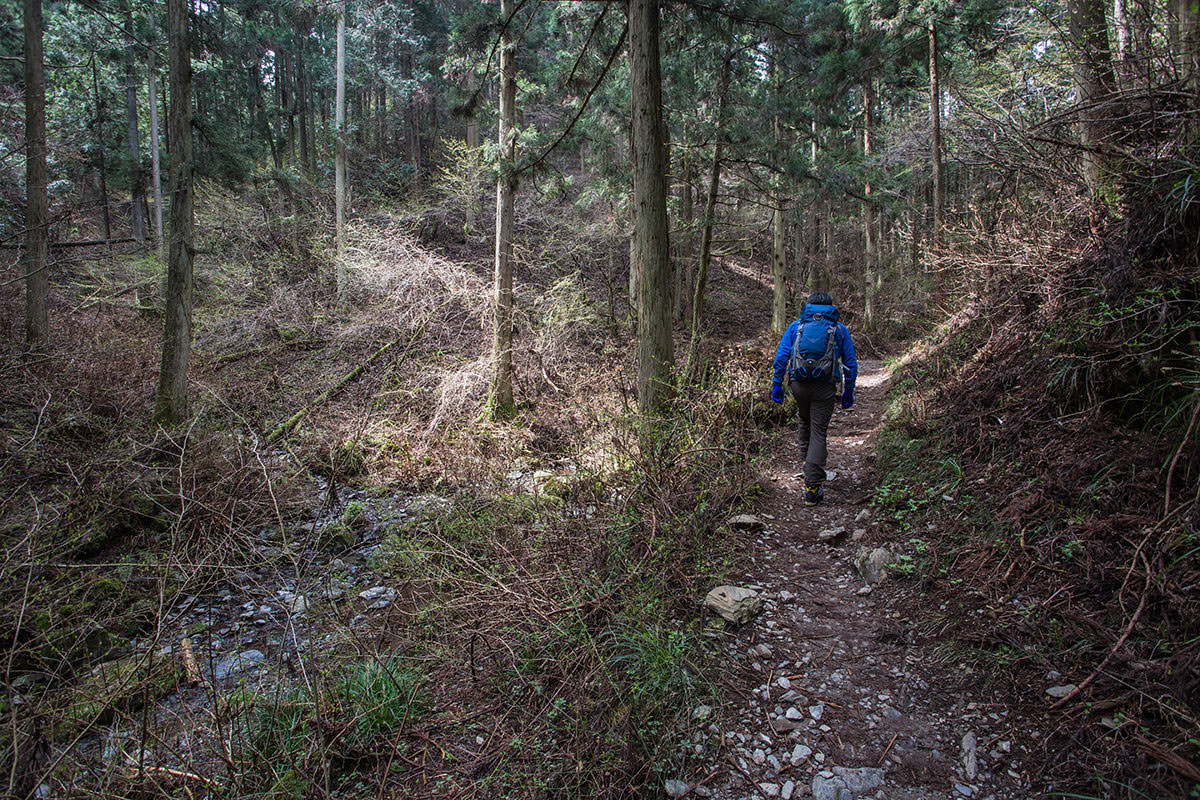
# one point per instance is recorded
(238, 663)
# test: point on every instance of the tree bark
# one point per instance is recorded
(710, 204)
(871, 245)
(1095, 82)
(472, 141)
(1189, 47)
(817, 280)
(935, 124)
(37, 282)
(301, 100)
(100, 152)
(339, 167)
(414, 124)
(1121, 29)
(155, 164)
(500, 395)
(779, 305)
(655, 344)
(137, 180)
(171, 401)
(687, 213)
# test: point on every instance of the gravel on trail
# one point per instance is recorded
(828, 693)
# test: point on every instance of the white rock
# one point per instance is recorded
(817, 710)
(298, 605)
(970, 756)
(872, 564)
(1060, 691)
(675, 788)
(786, 791)
(799, 753)
(831, 534)
(746, 522)
(377, 593)
(735, 604)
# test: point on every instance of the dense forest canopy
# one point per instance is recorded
(423, 346)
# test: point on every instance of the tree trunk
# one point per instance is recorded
(871, 245)
(635, 278)
(137, 181)
(155, 165)
(1095, 82)
(935, 124)
(171, 404)
(288, 80)
(472, 140)
(688, 213)
(1188, 48)
(37, 282)
(655, 344)
(914, 245)
(1121, 29)
(301, 100)
(779, 305)
(339, 167)
(500, 394)
(710, 205)
(816, 264)
(100, 152)
(414, 124)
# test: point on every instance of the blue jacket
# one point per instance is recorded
(848, 365)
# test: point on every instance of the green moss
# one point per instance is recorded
(337, 536)
(355, 514)
(126, 683)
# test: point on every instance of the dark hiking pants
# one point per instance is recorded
(815, 401)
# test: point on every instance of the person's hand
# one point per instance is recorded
(777, 393)
(848, 395)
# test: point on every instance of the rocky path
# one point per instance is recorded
(830, 693)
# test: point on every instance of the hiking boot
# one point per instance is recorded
(813, 496)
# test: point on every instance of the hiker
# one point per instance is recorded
(816, 353)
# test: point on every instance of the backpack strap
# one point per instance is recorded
(795, 349)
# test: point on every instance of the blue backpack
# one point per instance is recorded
(815, 352)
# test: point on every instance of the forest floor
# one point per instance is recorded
(517, 582)
(827, 689)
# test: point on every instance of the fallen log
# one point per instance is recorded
(288, 425)
(190, 667)
(80, 243)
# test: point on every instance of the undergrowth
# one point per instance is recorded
(1038, 466)
(543, 635)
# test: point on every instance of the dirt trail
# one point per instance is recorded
(829, 694)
